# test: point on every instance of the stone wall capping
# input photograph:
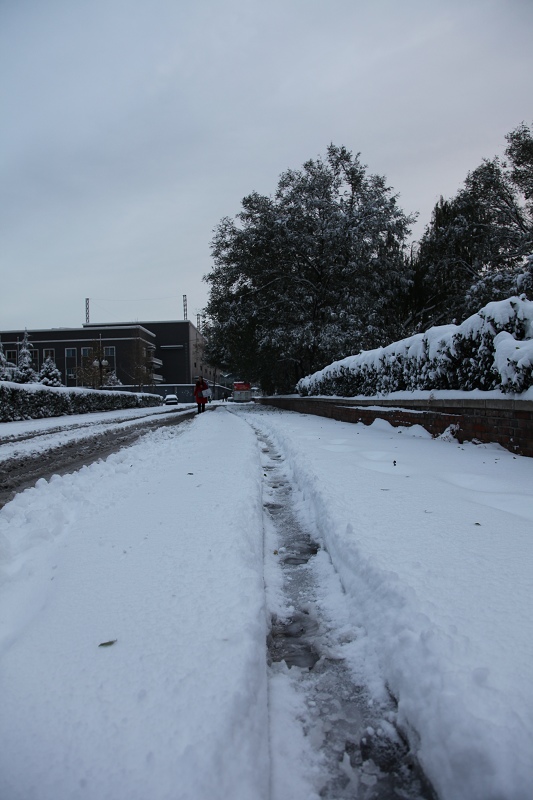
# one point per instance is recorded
(508, 422)
(429, 403)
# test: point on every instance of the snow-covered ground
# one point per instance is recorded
(34, 436)
(426, 566)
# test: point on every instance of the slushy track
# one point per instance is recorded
(357, 747)
(18, 474)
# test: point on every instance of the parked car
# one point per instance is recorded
(171, 400)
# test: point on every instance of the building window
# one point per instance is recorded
(71, 364)
(86, 352)
(50, 353)
(109, 355)
(11, 355)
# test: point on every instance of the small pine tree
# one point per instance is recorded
(24, 372)
(49, 374)
(112, 380)
(5, 374)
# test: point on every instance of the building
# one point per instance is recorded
(157, 356)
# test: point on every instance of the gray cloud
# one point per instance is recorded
(130, 128)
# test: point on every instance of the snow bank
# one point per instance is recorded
(160, 548)
(432, 542)
(491, 349)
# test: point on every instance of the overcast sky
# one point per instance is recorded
(129, 128)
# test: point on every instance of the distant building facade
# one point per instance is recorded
(141, 354)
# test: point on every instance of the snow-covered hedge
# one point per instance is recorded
(33, 401)
(492, 349)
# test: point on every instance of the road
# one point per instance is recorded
(308, 606)
(87, 444)
(358, 763)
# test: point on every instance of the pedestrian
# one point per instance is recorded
(201, 393)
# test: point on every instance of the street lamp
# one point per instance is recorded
(100, 362)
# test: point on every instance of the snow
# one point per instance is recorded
(427, 550)
(34, 436)
(433, 394)
(36, 386)
(511, 354)
(425, 355)
(153, 548)
(434, 553)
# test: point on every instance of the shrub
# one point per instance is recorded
(492, 349)
(34, 401)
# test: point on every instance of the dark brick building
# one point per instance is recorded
(164, 355)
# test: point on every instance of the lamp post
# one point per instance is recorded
(100, 362)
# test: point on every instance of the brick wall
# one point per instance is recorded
(506, 422)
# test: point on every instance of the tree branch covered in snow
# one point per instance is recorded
(492, 349)
(301, 278)
(475, 248)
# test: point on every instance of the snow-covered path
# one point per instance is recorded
(433, 544)
(153, 548)
(424, 576)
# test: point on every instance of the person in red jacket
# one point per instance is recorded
(200, 393)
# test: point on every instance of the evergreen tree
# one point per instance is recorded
(5, 372)
(24, 372)
(49, 374)
(475, 248)
(111, 380)
(520, 154)
(308, 276)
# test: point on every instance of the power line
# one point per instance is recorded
(140, 300)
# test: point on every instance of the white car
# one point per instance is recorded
(171, 400)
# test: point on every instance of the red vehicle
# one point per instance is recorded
(242, 392)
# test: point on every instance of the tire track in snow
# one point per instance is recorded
(17, 474)
(348, 747)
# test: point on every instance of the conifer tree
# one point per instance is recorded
(5, 372)
(24, 372)
(49, 374)
(475, 248)
(520, 154)
(111, 380)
